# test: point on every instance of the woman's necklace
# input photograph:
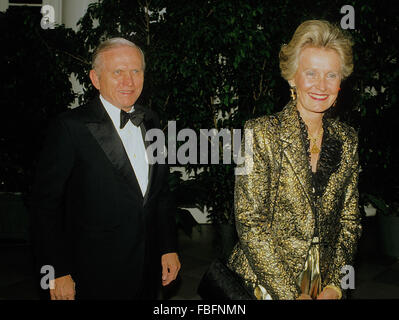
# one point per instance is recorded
(315, 148)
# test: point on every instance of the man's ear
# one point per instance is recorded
(94, 79)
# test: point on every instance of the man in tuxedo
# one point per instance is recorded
(103, 215)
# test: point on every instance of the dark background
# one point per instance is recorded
(197, 51)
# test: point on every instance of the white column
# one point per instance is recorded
(57, 5)
(3, 5)
(73, 10)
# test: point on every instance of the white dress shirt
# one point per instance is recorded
(133, 142)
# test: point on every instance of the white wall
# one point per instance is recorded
(73, 10)
(3, 5)
(57, 5)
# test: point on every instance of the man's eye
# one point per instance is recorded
(117, 72)
(332, 75)
(310, 73)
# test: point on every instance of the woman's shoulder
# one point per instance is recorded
(265, 123)
(344, 131)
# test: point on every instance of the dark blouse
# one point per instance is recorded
(329, 159)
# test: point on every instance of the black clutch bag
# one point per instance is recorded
(221, 283)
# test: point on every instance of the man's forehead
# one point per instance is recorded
(114, 56)
(116, 51)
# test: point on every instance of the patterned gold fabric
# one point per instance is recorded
(309, 280)
(274, 207)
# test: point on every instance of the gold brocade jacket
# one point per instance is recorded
(275, 214)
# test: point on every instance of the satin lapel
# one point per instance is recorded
(146, 125)
(294, 149)
(151, 167)
(103, 130)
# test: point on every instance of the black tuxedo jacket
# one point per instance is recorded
(89, 215)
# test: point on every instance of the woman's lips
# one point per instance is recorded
(318, 97)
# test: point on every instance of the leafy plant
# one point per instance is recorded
(210, 64)
(35, 87)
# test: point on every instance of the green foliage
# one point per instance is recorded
(214, 64)
(372, 105)
(35, 86)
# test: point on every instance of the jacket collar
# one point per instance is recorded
(97, 112)
(103, 130)
(289, 123)
(294, 148)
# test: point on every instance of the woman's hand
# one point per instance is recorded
(304, 297)
(328, 294)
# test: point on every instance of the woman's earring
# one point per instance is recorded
(293, 93)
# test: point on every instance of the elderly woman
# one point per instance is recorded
(296, 210)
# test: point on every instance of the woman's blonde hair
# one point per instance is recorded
(319, 34)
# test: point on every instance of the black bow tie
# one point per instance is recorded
(136, 117)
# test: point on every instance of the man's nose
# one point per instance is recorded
(128, 79)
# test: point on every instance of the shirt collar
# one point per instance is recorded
(113, 112)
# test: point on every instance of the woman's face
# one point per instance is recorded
(317, 79)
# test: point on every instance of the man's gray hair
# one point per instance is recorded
(111, 44)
